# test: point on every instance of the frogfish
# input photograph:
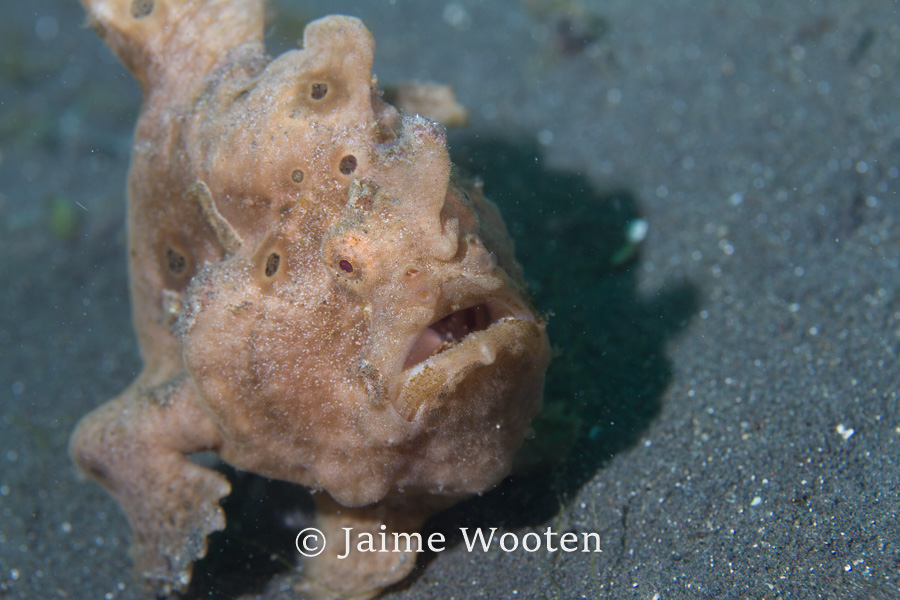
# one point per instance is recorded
(318, 295)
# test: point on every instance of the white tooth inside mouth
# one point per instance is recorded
(452, 329)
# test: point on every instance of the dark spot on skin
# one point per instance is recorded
(345, 266)
(272, 264)
(97, 472)
(297, 176)
(241, 95)
(348, 164)
(141, 8)
(319, 91)
(176, 261)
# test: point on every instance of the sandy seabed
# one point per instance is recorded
(733, 377)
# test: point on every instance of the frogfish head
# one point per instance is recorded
(371, 335)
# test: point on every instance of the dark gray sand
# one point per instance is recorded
(734, 382)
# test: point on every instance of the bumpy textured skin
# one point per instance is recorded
(295, 245)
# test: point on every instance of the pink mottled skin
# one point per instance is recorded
(318, 298)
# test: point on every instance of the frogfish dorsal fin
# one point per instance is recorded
(162, 41)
